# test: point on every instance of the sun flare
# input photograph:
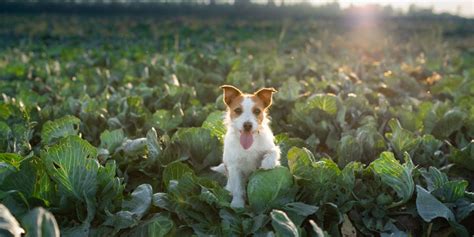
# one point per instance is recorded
(460, 7)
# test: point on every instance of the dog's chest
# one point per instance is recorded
(246, 160)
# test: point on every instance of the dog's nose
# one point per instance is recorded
(247, 126)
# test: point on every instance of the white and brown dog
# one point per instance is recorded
(248, 142)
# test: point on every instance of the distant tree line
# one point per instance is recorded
(264, 8)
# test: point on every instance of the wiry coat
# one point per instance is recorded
(239, 163)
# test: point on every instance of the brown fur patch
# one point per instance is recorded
(236, 103)
(259, 104)
(265, 94)
(233, 98)
(230, 93)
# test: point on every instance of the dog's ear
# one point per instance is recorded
(265, 94)
(230, 93)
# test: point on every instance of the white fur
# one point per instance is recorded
(246, 116)
(239, 163)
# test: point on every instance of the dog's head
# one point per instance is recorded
(247, 112)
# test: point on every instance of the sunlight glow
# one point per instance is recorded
(459, 7)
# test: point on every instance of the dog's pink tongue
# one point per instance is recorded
(246, 140)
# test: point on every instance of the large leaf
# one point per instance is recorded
(153, 145)
(9, 163)
(28, 185)
(324, 185)
(300, 161)
(167, 120)
(40, 222)
(76, 231)
(429, 208)
(110, 187)
(428, 151)
(162, 200)
(175, 171)
(121, 220)
(187, 184)
(395, 175)
(324, 102)
(5, 133)
(10, 159)
(464, 157)
(370, 139)
(442, 188)
(283, 225)
(464, 207)
(391, 230)
(140, 201)
(298, 211)
(434, 178)
(134, 147)
(62, 127)
(22, 180)
(133, 209)
(71, 163)
(348, 179)
(267, 188)
(449, 123)
(9, 226)
(111, 140)
(349, 149)
(300, 208)
(184, 199)
(158, 226)
(316, 230)
(285, 142)
(215, 123)
(44, 187)
(289, 91)
(203, 149)
(451, 191)
(401, 139)
(321, 181)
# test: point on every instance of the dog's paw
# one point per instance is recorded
(237, 203)
(228, 188)
(220, 169)
(268, 162)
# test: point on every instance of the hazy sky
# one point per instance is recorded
(463, 7)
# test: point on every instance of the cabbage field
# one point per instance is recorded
(109, 126)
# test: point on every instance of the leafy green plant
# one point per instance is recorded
(267, 189)
(109, 126)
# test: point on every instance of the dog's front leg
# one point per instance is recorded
(271, 159)
(236, 187)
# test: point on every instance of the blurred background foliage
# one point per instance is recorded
(109, 123)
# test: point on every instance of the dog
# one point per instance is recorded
(248, 142)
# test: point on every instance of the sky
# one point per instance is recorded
(462, 7)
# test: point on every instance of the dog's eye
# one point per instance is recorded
(238, 111)
(256, 111)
